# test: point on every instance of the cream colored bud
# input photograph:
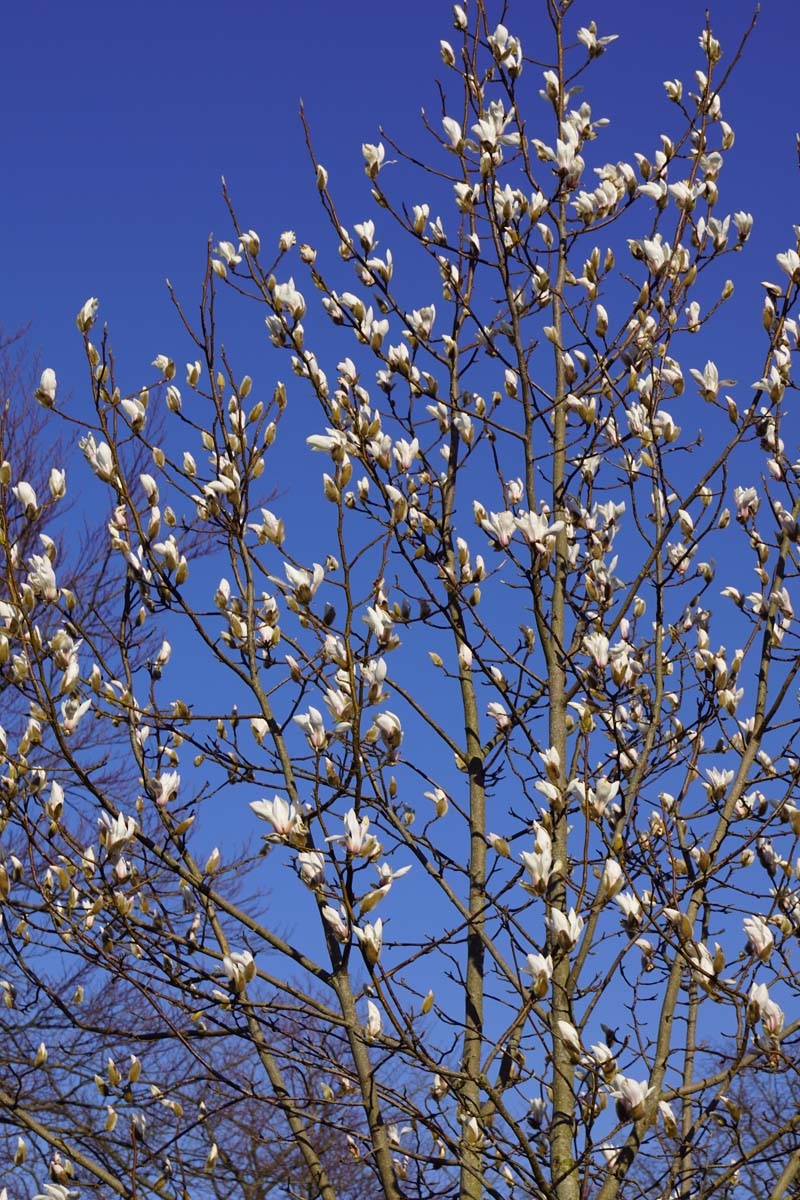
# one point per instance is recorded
(165, 365)
(85, 318)
(499, 845)
(57, 483)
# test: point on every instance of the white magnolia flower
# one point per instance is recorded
(421, 321)
(552, 763)
(26, 496)
(391, 732)
(601, 1056)
(631, 1097)
(539, 865)
(336, 442)
(707, 380)
(71, 713)
(772, 1020)
(374, 1025)
(116, 832)
(57, 483)
(240, 968)
(565, 928)
(507, 50)
(99, 456)
(303, 583)
(612, 880)
(537, 1111)
(499, 714)
(569, 1036)
(374, 674)
(759, 937)
(538, 532)
(757, 999)
(286, 296)
(313, 727)
(373, 158)
(284, 818)
(46, 391)
(790, 263)
(453, 133)
(371, 940)
(631, 909)
(597, 798)
(541, 968)
(405, 452)
(668, 1117)
(500, 527)
(311, 867)
(744, 224)
(596, 646)
(337, 923)
(718, 782)
(594, 44)
(382, 626)
(166, 788)
(85, 318)
(42, 577)
(356, 840)
(490, 130)
(55, 805)
(747, 502)
(439, 799)
(227, 251)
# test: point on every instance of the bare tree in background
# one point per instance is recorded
(109, 1011)
(508, 710)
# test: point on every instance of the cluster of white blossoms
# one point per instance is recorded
(642, 785)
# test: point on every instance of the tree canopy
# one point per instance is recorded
(442, 843)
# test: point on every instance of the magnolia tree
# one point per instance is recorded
(458, 854)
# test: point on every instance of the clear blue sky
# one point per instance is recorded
(119, 120)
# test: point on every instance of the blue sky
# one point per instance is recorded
(126, 117)
(120, 120)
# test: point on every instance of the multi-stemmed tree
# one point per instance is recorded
(511, 694)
